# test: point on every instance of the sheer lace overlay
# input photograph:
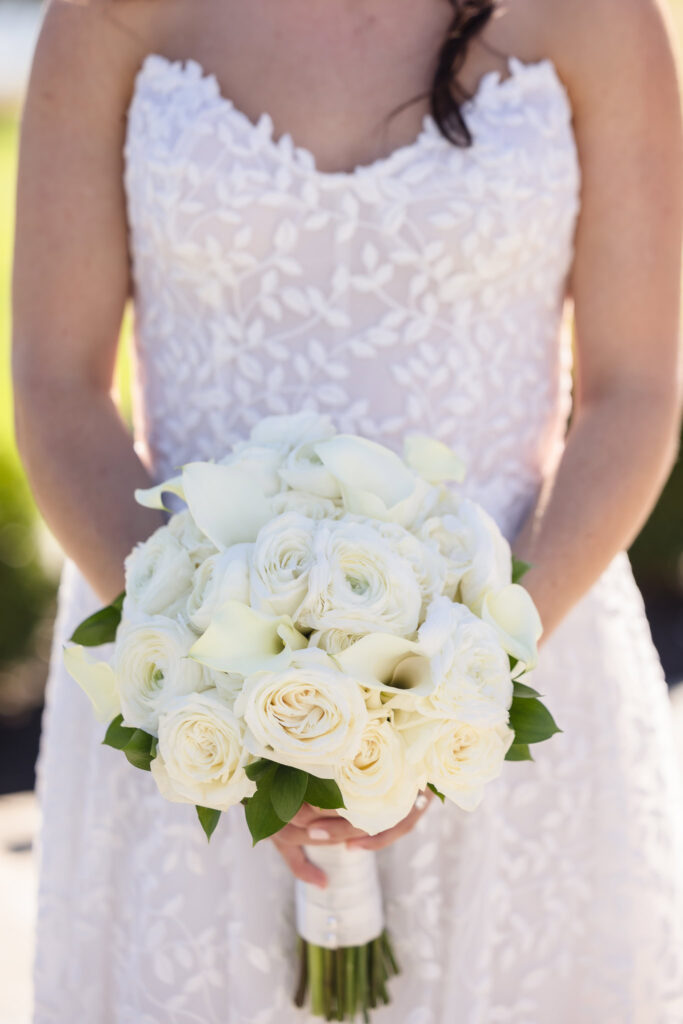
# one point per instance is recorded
(424, 291)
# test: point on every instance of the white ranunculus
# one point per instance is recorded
(457, 758)
(375, 481)
(309, 715)
(478, 556)
(471, 672)
(288, 431)
(310, 505)
(227, 684)
(200, 755)
(96, 678)
(152, 666)
(358, 583)
(281, 560)
(428, 563)
(432, 459)
(241, 640)
(514, 616)
(198, 546)
(332, 640)
(303, 470)
(158, 575)
(379, 785)
(222, 577)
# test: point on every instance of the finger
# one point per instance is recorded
(383, 839)
(323, 831)
(308, 813)
(300, 866)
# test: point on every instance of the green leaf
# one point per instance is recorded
(531, 720)
(138, 750)
(519, 569)
(208, 819)
(261, 818)
(523, 691)
(117, 735)
(435, 791)
(258, 768)
(100, 628)
(519, 752)
(287, 791)
(323, 793)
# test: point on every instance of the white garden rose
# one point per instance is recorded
(332, 640)
(310, 505)
(379, 785)
(303, 470)
(478, 556)
(309, 715)
(222, 577)
(280, 562)
(152, 667)
(375, 481)
(457, 758)
(158, 575)
(198, 546)
(359, 583)
(200, 755)
(471, 671)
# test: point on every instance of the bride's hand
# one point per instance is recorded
(314, 827)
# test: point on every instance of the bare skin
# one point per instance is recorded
(331, 74)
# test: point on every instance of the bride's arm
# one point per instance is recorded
(70, 284)
(626, 287)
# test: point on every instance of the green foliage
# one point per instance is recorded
(519, 752)
(208, 819)
(100, 627)
(280, 793)
(436, 792)
(138, 746)
(519, 569)
(531, 721)
(287, 791)
(323, 793)
(522, 690)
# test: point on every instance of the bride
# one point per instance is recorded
(378, 210)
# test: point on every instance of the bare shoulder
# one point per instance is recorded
(608, 47)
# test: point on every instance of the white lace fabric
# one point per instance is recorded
(424, 291)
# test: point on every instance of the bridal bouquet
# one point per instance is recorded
(324, 623)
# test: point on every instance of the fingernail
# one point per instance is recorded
(318, 833)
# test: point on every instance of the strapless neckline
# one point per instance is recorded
(491, 90)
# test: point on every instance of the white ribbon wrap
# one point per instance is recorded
(348, 912)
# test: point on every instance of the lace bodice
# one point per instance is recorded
(422, 291)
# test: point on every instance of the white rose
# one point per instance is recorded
(471, 671)
(222, 577)
(198, 546)
(289, 430)
(478, 556)
(152, 667)
(200, 755)
(303, 470)
(158, 575)
(310, 715)
(310, 505)
(359, 583)
(458, 759)
(427, 562)
(375, 481)
(280, 563)
(379, 785)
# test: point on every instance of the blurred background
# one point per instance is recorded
(30, 563)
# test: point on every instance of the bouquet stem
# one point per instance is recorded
(346, 955)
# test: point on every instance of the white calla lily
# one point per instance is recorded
(150, 497)
(229, 503)
(374, 480)
(389, 665)
(432, 459)
(514, 616)
(96, 679)
(243, 641)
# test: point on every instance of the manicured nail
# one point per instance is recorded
(318, 833)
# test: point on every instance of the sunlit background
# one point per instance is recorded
(30, 563)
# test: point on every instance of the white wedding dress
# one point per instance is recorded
(423, 291)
